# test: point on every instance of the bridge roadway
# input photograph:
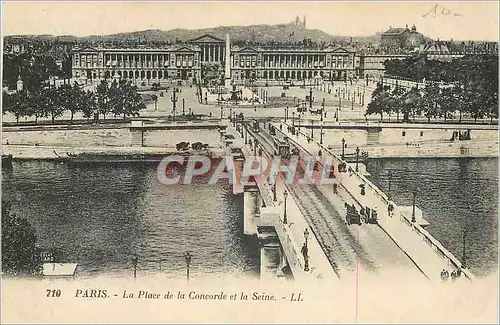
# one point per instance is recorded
(350, 249)
(291, 234)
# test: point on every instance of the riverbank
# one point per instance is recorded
(22, 152)
(470, 148)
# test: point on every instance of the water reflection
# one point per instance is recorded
(455, 195)
(99, 216)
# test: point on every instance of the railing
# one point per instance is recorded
(284, 235)
(426, 237)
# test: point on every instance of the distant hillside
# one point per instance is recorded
(255, 33)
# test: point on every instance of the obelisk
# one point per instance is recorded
(227, 69)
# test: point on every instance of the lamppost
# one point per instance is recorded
(464, 235)
(183, 106)
(413, 219)
(174, 100)
(274, 193)
(188, 263)
(343, 146)
(305, 252)
(312, 129)
(321, 134)
(260, 161)
(135, 259)
(322, 109)
(285, 194)
(310, 97)
(357, 157)
(293, 119)
(221, 108)
(286, 113)
(390, 178)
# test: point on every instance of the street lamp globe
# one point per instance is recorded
(188, 258)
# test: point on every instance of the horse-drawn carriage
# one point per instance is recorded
(282, 148)
(182, 146)
(199, 146)
(352, 215)
(255, 126)
(369, 215)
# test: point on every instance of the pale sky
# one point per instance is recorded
(458, 20)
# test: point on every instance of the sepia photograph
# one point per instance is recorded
(249, 162)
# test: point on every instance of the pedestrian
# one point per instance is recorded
(443, 275)
(453, 276)
(335, 188)
(390, 210)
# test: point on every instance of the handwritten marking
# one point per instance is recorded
(436, 11)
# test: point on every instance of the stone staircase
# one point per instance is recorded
(137, 138)
(373, 136)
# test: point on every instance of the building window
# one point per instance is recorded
(404, 133)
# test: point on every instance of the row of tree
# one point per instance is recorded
(33, 68)
(469, 68)
(466, 86)
(117, 98)
(433, 102)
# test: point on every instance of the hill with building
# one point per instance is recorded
(292, 32)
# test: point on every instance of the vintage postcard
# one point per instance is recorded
(249, 162)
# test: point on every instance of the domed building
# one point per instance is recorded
(401, 38)
(413, 39)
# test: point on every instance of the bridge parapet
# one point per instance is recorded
(289, 234)
(426, 251)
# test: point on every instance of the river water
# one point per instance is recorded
(99, 216)
(454, 194)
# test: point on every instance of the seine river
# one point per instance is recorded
(454, 194)
(100, 216)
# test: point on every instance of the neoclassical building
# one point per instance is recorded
(185, 62)
(181, 62)
(292, 63)
(250, 63)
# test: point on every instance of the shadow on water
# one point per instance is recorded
(455, 194)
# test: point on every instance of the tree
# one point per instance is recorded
(20, 105)
(380, 101)
(430, 101)
(449, 101)
(412, 102)
(133, 101)
(20, 254)
(33, 105)
(396, 101)
(88, 104)
(102, 91)
(51, 103)
(67, 99)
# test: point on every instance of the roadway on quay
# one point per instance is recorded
(351, 249)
